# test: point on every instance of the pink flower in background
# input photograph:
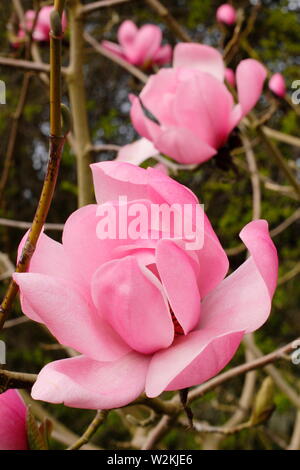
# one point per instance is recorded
(230, 76)
(42, 28)
(139, 324)
(226, 14)
(193, 112)
(141, 47)
(277, 85)
(12, 422)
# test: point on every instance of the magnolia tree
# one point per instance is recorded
(146, 295)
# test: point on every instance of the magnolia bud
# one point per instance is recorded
(264, 403)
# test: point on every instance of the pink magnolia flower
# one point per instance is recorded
(12, 422)
(42, 28)
(226, 14)
(125, 305)
(141, 47)
(277, 85)
(137, 152)
(193, 110)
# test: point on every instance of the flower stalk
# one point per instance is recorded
(56, 143)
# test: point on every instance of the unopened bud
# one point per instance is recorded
(264, 403)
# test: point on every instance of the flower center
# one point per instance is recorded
(177, 327)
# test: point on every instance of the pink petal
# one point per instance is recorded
(183, 146)
(81, 382)
(250, 77)
(243, 300)
(81, 236)
(277, 85)
(213, 261)
(145, 44)
(69, 316)
(137, 152)
(163, 55)
(182, 290)
(158, 95)
(131, 299)
(230, 77)
(112, 179)
(162, 167)
(49, 258)
(114, 48)
(256, 237)
(195, 108)
(127, 33)
(12, 421)
(142, 124)
(226, 14)
(201, 57)
(191, 360)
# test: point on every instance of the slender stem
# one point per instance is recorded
(274, 232)
(26, 225)
(255, 182)
(60, 432)
(99, 419)
(275, 152)
(289, 275)
(242, 369)
(281, 136)
(91, 7)
(157, 433)
(59, 5)
(75, 80)
(13, 134)
(166, 16)
(55, 152)
(25, 65)
(10, 379)
(278, 379)
(118, 60)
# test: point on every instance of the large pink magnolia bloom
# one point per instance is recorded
(42, 28)
(147, 315)
(12, 422)
(141, 47)
(193, 112)
(226, 14)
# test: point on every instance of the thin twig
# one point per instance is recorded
(77, 94)
(158, 432)
(289, 275)
(26, 225)
(16, 322)
(278, 379)
(91, 7)
(56, 146)
(24, 64)
(274, 232)
(282, 137)
(60, 432)
(242, 369)
(280, 160)
(118, 60)
(99, 419)
(166, 16)
(10, 379)
(255, 182)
